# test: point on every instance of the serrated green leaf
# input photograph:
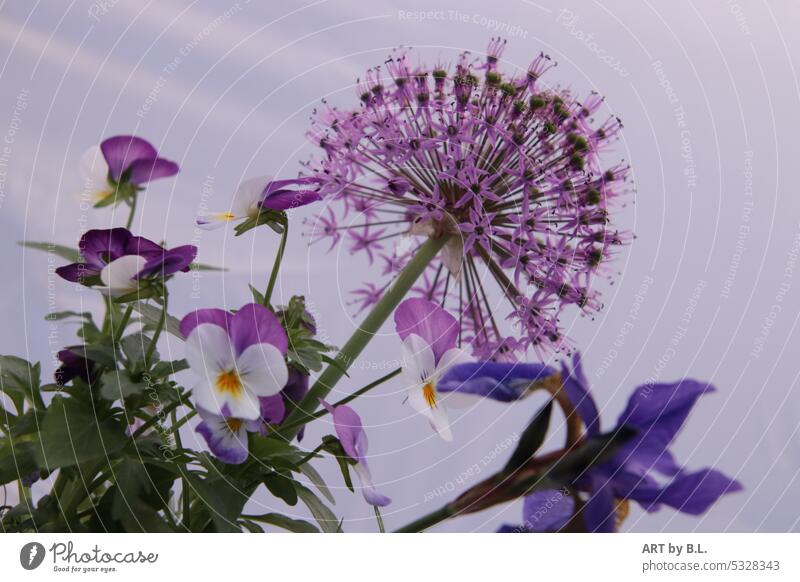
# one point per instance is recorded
(135, 346)
(72, 255)
(20, 380)
(167, 368)
(71, 434)
(151, 315)
(117, 385)
(16, 461)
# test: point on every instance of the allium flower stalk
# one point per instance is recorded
(506, 166)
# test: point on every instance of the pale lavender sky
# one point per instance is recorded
(708, 92)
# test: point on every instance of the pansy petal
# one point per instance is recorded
(273, 409)
(209, 351)
(255, 324)
(147, 170)
(419, 363)
(169, 262)
(119, 276)
(429, 321)
(213, 220)
(218, 317)
(436, 413)
(501, 381)
(227, 444)
(76, 272)
(248, 196)
(286, 199)
(122, 150)
(262, 369)
(94, 172)
(548, 510)
(101, 246)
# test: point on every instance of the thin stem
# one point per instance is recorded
(132, 213)
(159, 328)
(345, 400)
(122, 324)
(186, 499)
(361, 337)
(379, 518)
(273, 276)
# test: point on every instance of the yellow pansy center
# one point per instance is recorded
(234, 424)
(429, 393)
(229, 382)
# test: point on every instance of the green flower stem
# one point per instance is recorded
(132, 213)
(379, 519)
(362, 336)
(159, 328)
(273, 276)
(122, 324)
(345, 400)
(428, 521)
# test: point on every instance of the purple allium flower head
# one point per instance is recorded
(120, 261)
(123, 159)
(354, 442)
(239, 358)
(642, 469)
(509, 168)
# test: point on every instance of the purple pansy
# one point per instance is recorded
(226, 437)
(119, 260)
(641, 470)
(429, 335)
(354, 442)
(73, 365)
(239, 358)
(123, 159)
(263, 193)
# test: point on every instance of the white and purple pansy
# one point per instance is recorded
(122, 160)
(117, 261)
(226, 437)
(263, 193)
(429, 335)
(354, 442)
(642, 470)
(239, 357)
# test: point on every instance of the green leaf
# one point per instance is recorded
(315, 478)
(258, 296)
(135, 346)
(59, 315)
(222, 497)
(71, 434)
(334, 447)
(283, 522)
(72, 255)
(203, 267)
(167, 368)
(16, 461)
(102, 354)
(20, 380)
(532, 438)
(281, 487)
(274, 219)
(117, 385)
(151, 315)
(326, 519)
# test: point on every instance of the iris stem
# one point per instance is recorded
(362, 336)
(379, 518)
(428, 521)
(273, 276)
